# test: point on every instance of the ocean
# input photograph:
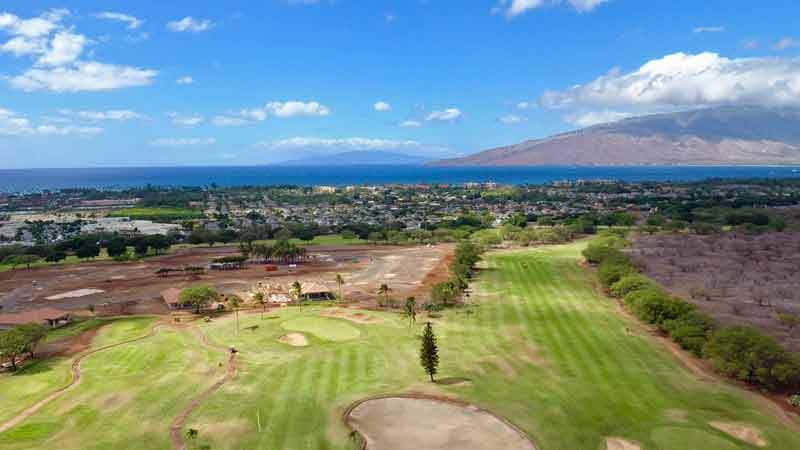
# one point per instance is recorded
(32, 180)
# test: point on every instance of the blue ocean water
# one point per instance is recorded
(28, 180)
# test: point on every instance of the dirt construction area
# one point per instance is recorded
(127, 288)
(737, 278)
(407, 423)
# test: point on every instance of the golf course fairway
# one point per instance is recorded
(539, 346)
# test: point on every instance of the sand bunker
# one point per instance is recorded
(353, 316)
(75, 294)
(742, 432)
(401, 423)
(294, 339)
(621, 444)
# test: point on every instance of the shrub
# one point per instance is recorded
(615, 266)
(748, 355)
(630, 283)
(795, 400)
(691, 331)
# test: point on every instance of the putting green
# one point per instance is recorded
(324, 328)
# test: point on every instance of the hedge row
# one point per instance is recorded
(742, 352)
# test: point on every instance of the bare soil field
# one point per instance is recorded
(134, 288)
(737, 278)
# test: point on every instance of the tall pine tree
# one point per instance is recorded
(429, 352)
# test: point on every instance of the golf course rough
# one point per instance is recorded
(542, 348)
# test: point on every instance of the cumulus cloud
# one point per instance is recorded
(82, 76)
(685, 80)
(410, 124)
(34, 27)
(182, 142)
(354, 143)
(596, 117)
(186, 121)
(117, 115)
(512, 119)
(132, 22)
(382, 107)
(286, 110)
(59, 66)
(53, 130)
(514, 8)
(185, 80)
(447, 115)
(65, 48)
(190, 24)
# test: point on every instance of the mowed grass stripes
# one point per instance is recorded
(539, 345)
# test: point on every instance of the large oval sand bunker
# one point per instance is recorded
(405, 423)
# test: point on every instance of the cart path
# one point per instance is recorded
(176, 428)
(76, 379)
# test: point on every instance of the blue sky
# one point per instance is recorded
(119, 83)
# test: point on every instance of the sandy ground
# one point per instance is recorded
(742, 432)
(294, 339)
(621, 444)
(134, 287)
(399, 423)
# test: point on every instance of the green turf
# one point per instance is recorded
(75, 328)
(323, 328)
(541, 347)
(158, 213)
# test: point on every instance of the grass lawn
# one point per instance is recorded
(158, 213)
(540, 346)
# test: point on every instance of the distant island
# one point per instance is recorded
(716, 136)
(359, 158)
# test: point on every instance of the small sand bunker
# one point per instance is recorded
(294, 339)
(402, 423)
(742, 432)
(353, 316)
(613, 443)
(75, 294)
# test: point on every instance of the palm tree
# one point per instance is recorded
(259, 298)
(340, 283)
(411, 311)
(297, 293)
(235, 303)
(384, 290)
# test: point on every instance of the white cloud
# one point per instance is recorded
(53, 130)
(355, 143)
(82, 76)
(191, 24)
(227, 121)
(751, 44)
(186, 121)
(786, 43)
(21, 46)
(382, 107)
(514, 8)
(14, 124)
(65, 48)
(410, 124)
(711, 29)
(132, 22)
(512, 119)
(117, 115)
(185, 80)
(596, 117)
(525, 105)
(34, 27)
(285, 110)
(447, 115)
(182, 142)
(685, 80)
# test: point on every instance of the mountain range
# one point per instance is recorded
(714, 136)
